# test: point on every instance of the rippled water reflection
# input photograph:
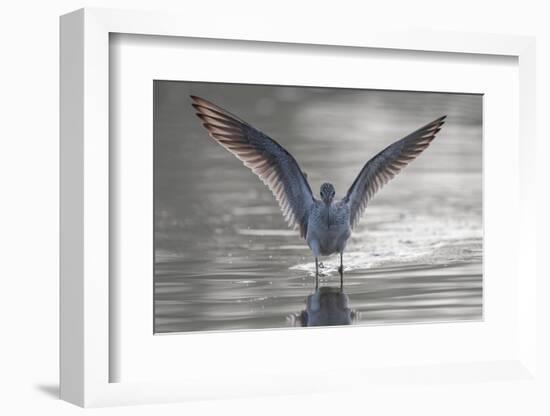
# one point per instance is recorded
(224, 258)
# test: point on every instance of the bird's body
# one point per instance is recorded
(324, 223)
(328, 228)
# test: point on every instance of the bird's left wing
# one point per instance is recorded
(385, 165)
(265, 157)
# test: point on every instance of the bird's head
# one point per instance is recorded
(327, 192)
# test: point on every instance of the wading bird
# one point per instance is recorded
(325, 224)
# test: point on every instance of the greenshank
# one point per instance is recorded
(325, 224)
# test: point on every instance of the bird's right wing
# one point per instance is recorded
(385, 165)
(265, 157)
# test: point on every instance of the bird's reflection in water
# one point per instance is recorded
(326, 306)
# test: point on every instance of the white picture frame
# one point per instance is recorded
(87, 355)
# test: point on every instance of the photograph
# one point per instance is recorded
(281, 206)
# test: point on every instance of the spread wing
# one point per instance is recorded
(265, 157)
(385, 165)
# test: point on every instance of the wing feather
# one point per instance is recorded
(385, 165)
(265, 157)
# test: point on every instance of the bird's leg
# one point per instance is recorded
(341, 270)
(316, 273)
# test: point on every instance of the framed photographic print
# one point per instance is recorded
(418, 259)
(223, 194)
